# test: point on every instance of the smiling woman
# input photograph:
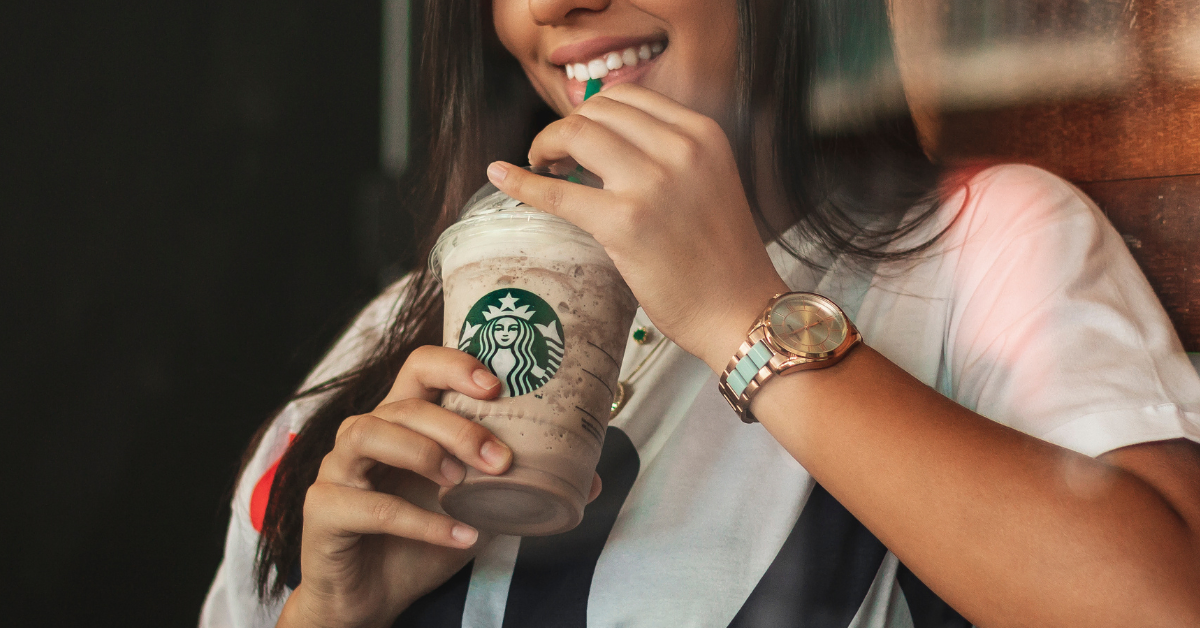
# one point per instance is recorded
(685, 50)
(1015, 430)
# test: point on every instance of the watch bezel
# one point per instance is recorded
(792, 358)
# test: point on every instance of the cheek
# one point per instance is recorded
(706, 41)
(519, 35)
(515, 29)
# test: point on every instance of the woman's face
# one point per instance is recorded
(691, 45)
(505, 332)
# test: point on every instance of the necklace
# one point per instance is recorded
(625, 387)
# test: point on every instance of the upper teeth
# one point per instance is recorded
(600, 67)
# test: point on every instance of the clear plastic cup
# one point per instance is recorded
(539, 302)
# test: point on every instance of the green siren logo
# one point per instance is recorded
(521, 344)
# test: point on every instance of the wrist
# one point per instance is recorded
(301, 610)
(731, 332)
(296, 613)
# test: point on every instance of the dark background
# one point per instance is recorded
(182, 189)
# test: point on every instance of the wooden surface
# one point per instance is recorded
(1160, 220)
(1153, 132)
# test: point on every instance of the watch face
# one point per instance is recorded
(807, 324)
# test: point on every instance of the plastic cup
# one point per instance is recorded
(538, 302)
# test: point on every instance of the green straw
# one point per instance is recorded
(593, 88)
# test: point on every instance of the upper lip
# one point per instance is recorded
(584, 51)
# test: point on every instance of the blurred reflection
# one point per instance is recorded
(1002, 51)
(1184, 42)
(959, 54)
(1105, 93)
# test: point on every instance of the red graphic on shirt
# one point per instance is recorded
(262, 492)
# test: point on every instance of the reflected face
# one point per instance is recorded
(505, 332)
(684, 49)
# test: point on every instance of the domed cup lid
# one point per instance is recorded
(490, 210)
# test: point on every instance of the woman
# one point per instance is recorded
(1015, 430)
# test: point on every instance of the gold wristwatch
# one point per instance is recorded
(797, 331)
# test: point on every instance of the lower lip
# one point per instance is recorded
(576, 89)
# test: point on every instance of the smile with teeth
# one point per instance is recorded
(600, 67)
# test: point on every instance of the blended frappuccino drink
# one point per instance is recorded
(537, 301)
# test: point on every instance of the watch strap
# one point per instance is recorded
(746, 372)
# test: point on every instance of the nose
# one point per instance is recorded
(557, 11)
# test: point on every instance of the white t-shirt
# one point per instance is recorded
(1029, 311)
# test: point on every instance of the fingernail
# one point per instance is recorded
(494, 453)
(453, 470)
(485, 379)
(496, 172)
(464, 534)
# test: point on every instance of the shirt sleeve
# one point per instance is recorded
(232, 600)
(1055, 330)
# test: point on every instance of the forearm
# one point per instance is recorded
(1009, 529)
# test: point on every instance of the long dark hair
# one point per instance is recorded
(477, 106)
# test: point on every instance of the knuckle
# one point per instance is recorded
(552, 199)
(428, 455)
(572, 126)
(657, 176)
(688, 150)
(328, 461)
(709, 129)
(628, 217)
(399, 407)
(408, 406)
(422, 354)
(470, 434)
(385, 510)
(619, 88)
(346, 426)
(598, 102)
(358, 433)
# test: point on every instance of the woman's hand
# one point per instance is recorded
(375, 538)
(673, 215)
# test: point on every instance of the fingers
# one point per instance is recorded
(637, 127)
(595, 146)
(345, 511)
(414, 435)
(462, 438)
(650, 101)
(584, 206)
(431, 370)
(631, 137)
(365, 441)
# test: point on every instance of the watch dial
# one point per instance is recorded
(807, 324)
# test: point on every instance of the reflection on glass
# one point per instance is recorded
(972, 54)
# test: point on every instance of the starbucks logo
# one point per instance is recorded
(521, 344)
